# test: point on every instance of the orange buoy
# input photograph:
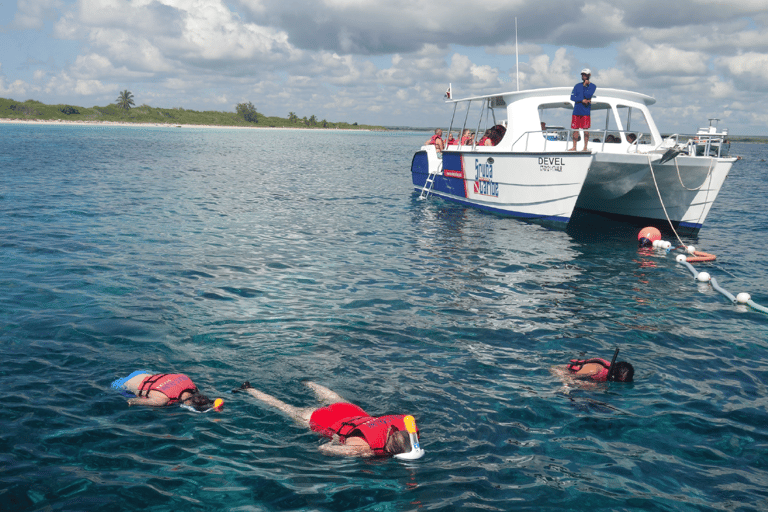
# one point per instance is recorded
(647, 236)
(700, 256)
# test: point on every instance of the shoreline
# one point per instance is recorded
(166, 125)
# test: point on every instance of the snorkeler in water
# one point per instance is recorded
(600, 370)
(353, 431)
(164, 389)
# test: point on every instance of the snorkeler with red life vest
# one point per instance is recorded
(353, 431)
(600, 370)
(165, 389)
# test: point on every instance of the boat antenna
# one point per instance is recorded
(609, 378)
(517, 57)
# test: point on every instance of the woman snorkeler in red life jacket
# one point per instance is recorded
(600, 370)
(353, 431)
(164, 389)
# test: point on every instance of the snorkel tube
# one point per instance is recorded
(609, 377)
(416, 451)
(218, 405)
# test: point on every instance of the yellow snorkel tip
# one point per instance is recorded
(218, 404)
(416, 451)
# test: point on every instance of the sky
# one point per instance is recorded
(388, 62)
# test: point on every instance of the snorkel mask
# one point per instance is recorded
(416, 451)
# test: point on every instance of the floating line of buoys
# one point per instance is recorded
(651, 237)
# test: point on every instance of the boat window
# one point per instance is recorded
(634, 122)
(557, 117)
(603, 118)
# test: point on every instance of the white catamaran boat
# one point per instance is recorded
(629, 171)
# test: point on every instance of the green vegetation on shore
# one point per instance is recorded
(32, 110)
(754, 139)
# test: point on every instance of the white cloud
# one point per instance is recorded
(748, 67)
(541, 71)
(614, 78)
(663, 59)
(32, 14)
(66, 85)
(98, 66)
(17, 88)
(720, 89)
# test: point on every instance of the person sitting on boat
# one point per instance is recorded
(631, 138)
(610, 139)
(164, 389)
(488, 137)
(497, 134)
(548, 136)
(353, 431)
(600, 370)
(451, 140)
(466, 138)
(582, 97)
(485, 140)
(436, 140)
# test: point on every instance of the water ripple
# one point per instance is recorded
(212, 253)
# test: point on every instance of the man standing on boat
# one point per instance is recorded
(582, 98)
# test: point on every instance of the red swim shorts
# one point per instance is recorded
(580, 122)
(324, 417)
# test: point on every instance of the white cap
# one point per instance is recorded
(586, 71)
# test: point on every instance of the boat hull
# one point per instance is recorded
(680, 191)
(612, 175)
(535, 186)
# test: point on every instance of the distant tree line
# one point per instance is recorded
(312, 121)
(124, 109)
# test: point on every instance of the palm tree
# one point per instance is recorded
(313, 120)
(125, 100)
(292, 117)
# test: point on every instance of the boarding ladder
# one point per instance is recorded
(430, 181)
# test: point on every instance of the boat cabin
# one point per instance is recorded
(621, 121)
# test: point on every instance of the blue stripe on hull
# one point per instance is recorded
(684, 228)
(508, 213)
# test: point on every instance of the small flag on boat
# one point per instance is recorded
(448, 92)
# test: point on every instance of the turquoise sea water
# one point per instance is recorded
(279, 256)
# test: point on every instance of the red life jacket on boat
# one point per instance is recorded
(466, 141)
(600, 376)
(434, 139)
(374, 430)
(171, 385)
(481, 142)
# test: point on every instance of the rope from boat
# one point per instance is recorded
(709, 189)
(680, 179)
(658, 192)
(697, 255)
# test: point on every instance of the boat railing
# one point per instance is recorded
(642, 142)
(699, 144)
